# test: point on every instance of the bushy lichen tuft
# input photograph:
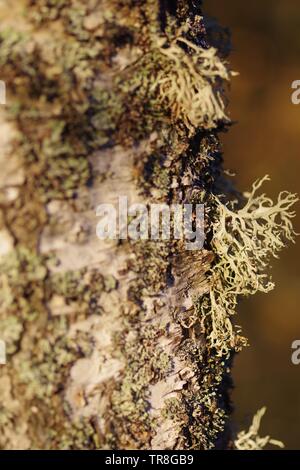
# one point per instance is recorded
(244, 240)
(251, 440)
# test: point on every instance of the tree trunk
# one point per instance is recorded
(105, 346)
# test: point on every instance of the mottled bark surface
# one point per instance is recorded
(105, 346)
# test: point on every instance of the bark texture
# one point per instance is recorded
(106, 348)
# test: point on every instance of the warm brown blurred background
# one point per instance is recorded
(266, 140)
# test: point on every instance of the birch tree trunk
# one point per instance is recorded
(105, 347)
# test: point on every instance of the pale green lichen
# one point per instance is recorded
(244, 240)
(251, 440)
(11, 331)
(189, 83)
(181, 81)
(82, 288)
(146, 363)
(22, 276)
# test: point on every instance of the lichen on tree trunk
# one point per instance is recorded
(106, 348)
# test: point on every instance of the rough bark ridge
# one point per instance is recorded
(105, 348)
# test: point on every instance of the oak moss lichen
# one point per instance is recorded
(244, 240)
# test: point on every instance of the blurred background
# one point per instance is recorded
(266, 140)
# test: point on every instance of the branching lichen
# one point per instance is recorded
(189, 83)
(250, 440)
(181, 80)
(243, 241)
